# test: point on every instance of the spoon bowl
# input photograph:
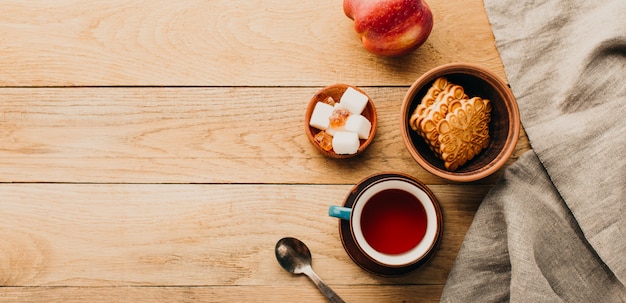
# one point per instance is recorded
(295, 257)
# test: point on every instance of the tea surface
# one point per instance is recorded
(393, 221)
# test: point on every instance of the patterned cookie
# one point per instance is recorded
(450, 98)
(464, 123)
(464, 132)
(428, 100)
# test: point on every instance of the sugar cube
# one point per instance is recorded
(320, 116)
(333, 130)
(360, 125)
(325, 140)
(353, 100)
(339, 117)
(346, 142)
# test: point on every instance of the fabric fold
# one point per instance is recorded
(525, 246)
(566, 64)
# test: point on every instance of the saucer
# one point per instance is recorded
(350, 245)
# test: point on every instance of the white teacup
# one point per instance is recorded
(395, 220)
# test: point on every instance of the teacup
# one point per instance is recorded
(395, 221)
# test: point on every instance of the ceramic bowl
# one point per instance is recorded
(336, 91)
(504, 127)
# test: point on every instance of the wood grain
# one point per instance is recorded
(176, 235)
(220, 43)
(299, 291)
(183, 135)
(153, 151)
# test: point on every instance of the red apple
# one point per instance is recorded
(390, 27)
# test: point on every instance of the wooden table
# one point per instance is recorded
(153, 151)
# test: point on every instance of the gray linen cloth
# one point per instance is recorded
(554, 227)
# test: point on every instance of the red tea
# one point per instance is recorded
(393, 221)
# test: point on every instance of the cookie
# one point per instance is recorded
(464, 132)
(438, 85)
(455, 127)
(450, 98)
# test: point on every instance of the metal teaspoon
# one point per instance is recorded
(295, 257)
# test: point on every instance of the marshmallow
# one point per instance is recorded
(345, 143)
(360, 125)
(354, 101)
(320, 116)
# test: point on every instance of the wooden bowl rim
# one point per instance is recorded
(501, 89)
(310, 130)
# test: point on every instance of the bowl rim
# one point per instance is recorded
(502, 89)
(308, 128)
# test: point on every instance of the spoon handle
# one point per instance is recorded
(330, 294)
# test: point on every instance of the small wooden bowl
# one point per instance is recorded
(336, 91)
(504, 127)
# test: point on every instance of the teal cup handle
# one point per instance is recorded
(340, 212)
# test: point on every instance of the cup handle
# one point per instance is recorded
(340, 212)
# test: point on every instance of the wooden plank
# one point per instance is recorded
(183, 135)
(153, 151)
(220, 43)
(101, 235)
(290, 292)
